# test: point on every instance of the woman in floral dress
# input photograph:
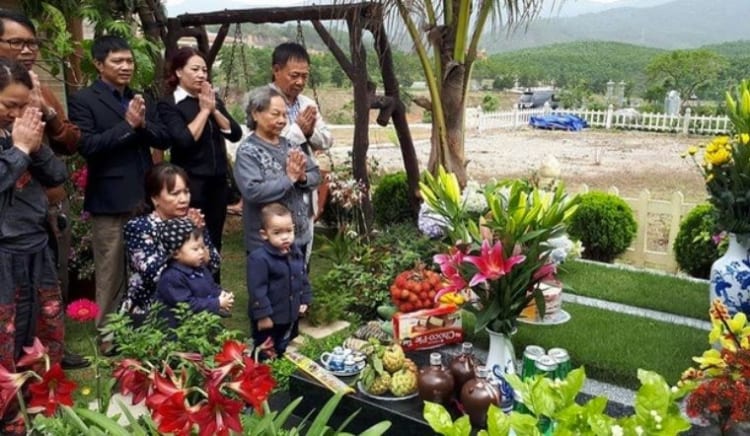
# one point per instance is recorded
(168, 197)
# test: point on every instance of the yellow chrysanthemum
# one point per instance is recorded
(717, 155)
(711, 359)
(692, 150)
(744, 138)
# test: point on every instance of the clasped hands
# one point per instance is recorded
(296, 166)
(306, 120)
(28, 130)
(136, 113)
(226, 300)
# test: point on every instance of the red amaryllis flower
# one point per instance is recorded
(33, 354)
(133, 379)
(231, 352)
(52, 390)
(83, 310)
(491, 263)
(254, 384)
(218, 414)
(229, 359)
(173, 415)
(164, 387)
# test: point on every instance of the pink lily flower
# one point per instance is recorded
(491, 263)
(546, 271)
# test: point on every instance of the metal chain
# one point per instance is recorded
(230, 67)
(301, 41)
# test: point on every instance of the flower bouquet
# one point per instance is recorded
(503, 255)
(722, 380)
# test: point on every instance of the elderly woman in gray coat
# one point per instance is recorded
(269, 169)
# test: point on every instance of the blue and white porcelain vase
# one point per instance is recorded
(730, 276)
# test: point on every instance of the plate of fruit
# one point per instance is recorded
(389, 375)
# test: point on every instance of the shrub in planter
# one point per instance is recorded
(694, 249)
(605, 225)
(390, 200)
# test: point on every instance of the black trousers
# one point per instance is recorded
(210, 195)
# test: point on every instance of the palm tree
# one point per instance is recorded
(453, 29)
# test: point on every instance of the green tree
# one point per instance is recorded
(687, 71)
(453, 28)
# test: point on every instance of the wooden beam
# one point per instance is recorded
(216, 46)
(282, 15)
(339, 54)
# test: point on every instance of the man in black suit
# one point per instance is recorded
(118, 127)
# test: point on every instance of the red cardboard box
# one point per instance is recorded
(428, 328)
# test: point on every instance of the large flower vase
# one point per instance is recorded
(501, 359)
(730, 277)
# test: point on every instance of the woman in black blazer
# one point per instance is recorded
(199, 123)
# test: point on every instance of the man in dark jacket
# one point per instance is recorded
(118, 127)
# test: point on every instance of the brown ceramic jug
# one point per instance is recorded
(462, 367)
(435, 382)
(477, 395)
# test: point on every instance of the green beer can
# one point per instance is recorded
(531, 354)
(562, 358)
(547, 366)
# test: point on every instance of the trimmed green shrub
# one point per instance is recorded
(693, 247)
(390, 200)
(605, 225)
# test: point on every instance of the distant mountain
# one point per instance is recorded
(665, 24)
(572, 8)
(678, 24)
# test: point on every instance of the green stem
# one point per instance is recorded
(24, 412)
(97, 375)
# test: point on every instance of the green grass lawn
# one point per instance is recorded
(611, 346)
(653, 291)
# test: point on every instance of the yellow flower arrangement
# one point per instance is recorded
(725, 166)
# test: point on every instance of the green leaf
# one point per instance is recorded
(498, 423)
(524, 424)
(377, 429)
(102, 421)
(462, 426)
(320, 422)
(438, 418)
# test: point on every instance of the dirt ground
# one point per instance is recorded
(628, 160)
(631, 161)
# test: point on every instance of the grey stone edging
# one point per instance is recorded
(637, 311)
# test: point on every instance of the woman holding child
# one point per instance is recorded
(168, 197)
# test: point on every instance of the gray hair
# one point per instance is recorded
(260, 100)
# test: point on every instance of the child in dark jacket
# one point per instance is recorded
(186, 279)
(277, 281)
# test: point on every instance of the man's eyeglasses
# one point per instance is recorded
(18, 44)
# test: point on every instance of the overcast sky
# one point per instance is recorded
(175, 7)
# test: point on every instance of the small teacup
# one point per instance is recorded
(350, 365)
(333, 361)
